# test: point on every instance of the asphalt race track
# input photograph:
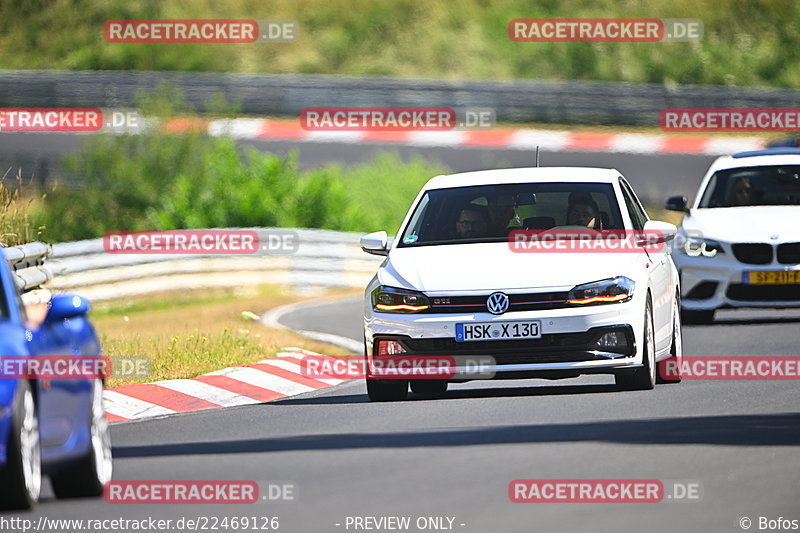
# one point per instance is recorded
(454, 457)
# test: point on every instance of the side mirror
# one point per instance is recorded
(65, 306)
(656, 231)
(677, 203)
(375, 243)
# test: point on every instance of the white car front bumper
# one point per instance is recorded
(565, 348)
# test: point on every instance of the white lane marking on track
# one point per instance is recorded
(131, 408)
(239, 128)
(436, 138)
(530, 139)
(635, 143)
(264, 380)
(334, 136)
(272, 319)
(296, 368)
(722, 145)
(209, 393)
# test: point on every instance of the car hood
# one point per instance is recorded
(493, 266)
(746, 224)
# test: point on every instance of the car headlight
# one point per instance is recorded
(696, 246)
(614, 290)
(392, 300)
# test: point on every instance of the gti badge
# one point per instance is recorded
(497, 303)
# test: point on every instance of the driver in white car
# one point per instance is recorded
(583, 211)
(472, 222)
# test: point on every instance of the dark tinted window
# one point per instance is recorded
(769, 185)
(487, 213)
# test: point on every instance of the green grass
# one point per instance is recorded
(746, 43)
(17, 209)
(192, 333)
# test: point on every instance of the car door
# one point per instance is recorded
(659, 270)
(59, 400)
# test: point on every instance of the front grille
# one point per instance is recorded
(753, 253)
(789, 253)
(770, 293)
(703, 291)
(517, 302)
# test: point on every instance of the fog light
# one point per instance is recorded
(612, 339)
(390, 348)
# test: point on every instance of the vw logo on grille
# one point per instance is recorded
(497, 303)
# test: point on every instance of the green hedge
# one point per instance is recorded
(161, 182)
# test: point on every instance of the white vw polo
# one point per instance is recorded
(455, 284)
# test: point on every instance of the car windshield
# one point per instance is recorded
(768, 185)
(487, 213)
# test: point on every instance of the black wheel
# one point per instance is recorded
(428, 386)
(86, 477)
(697, 317)
(643, 378)
(21, 476)
(676, 350)
(387, 391)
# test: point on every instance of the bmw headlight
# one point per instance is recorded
(613, 290)
(392, 300)
(698, 246)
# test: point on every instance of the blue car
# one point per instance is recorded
(52, 427)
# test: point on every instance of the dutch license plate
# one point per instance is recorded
(772, 277)
(498, 331)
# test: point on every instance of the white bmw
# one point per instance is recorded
(739, 243)
(453, 285)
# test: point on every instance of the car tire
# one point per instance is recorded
(429, 387)
(697, 317)
(21, 476)
(676, 349)
(87, 476)
(381, 391)
(643, 378)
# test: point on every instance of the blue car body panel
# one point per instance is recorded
(64, 405)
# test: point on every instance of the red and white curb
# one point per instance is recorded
(264, 381)
(511, 139)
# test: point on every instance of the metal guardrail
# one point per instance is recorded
(323, 258)
(27, 263)
(566, 102)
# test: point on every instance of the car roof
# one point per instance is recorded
(524, 175)
(757, 158)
